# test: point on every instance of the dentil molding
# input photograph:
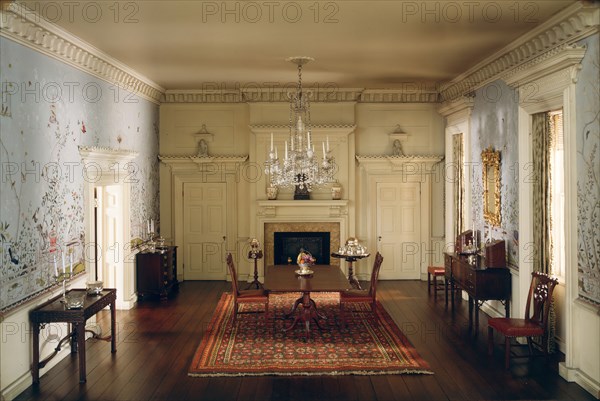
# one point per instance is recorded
(29, 29)
(574, 23)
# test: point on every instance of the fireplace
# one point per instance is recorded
(288, 245)
(306, 229)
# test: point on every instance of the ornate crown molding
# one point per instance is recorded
(189, 163)
(574, 23)
(335, 130)
(416, 165)
(29, 29)
(411, 94)
(462, 105)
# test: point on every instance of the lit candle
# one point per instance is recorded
(323, 143)
(71, 260)
(148, 226)
(308, 139)
(286, 155)
(63, 262)
(271, 141)
(275, 152)
(55, 265)
(151, 225)
(328, 143)
(292, 144)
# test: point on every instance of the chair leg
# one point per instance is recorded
(530, 346)
(428, 283)
(267, 312)
(490, 340)
(343, 314)
(507, 352)
(235, 309)
(435, 289)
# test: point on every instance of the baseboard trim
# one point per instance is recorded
(13, 390)
(577, 376)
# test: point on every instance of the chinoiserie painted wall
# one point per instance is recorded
(49, 110)
(586, 308)
(588, 172)
(494, 124)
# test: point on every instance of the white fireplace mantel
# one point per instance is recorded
(302, 208)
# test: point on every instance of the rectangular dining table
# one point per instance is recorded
(325, 278)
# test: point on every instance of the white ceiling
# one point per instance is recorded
(357, 44)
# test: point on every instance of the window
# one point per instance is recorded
(557, 198)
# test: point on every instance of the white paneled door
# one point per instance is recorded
(204, 225)
(398, 230)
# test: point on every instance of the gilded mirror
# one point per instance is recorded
(491, 185)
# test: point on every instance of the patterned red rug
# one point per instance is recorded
(368, 346)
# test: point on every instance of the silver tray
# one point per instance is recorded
(304, 273)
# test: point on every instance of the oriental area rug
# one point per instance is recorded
(369, 345)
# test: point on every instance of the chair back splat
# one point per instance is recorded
(535, 323)
(245, 296)
(375, 275)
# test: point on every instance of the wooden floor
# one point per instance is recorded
(156, 342)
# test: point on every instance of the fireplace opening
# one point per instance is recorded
(288, 245)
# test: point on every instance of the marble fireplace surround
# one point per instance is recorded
(302, 216)
(332, 228)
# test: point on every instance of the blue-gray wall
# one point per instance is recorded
(494, 123)
(588, 172)
(48, 110)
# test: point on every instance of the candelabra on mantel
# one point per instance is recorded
(255, 253)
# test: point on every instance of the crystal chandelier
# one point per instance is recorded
(301, 166)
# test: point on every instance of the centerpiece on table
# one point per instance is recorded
(305, 260)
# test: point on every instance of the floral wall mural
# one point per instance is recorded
(48, 111)
(588, 172)
(494, 123)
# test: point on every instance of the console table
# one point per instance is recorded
(54, 311)
(480, 282)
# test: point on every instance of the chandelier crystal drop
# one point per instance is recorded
(301, 166)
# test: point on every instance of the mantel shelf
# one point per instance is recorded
(302, 203)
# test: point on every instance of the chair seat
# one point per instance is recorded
(355, 296)
(516, 327)
(436, 270)
(252, 296)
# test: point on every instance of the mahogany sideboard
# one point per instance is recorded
(480, 282)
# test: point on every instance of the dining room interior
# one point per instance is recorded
(404, 193)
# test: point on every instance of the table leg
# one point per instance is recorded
(35, 367)
(291, 312)
(113, 327)
(80, 328)
(351, 278)
(446, 289)
(476, 316)
(452, 291)
(307, 314)
(470, 313)
(255, 282)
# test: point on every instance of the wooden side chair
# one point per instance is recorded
(535, 323)
(363, 296)
(245, 296)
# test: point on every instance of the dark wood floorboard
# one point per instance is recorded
(157, 340)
